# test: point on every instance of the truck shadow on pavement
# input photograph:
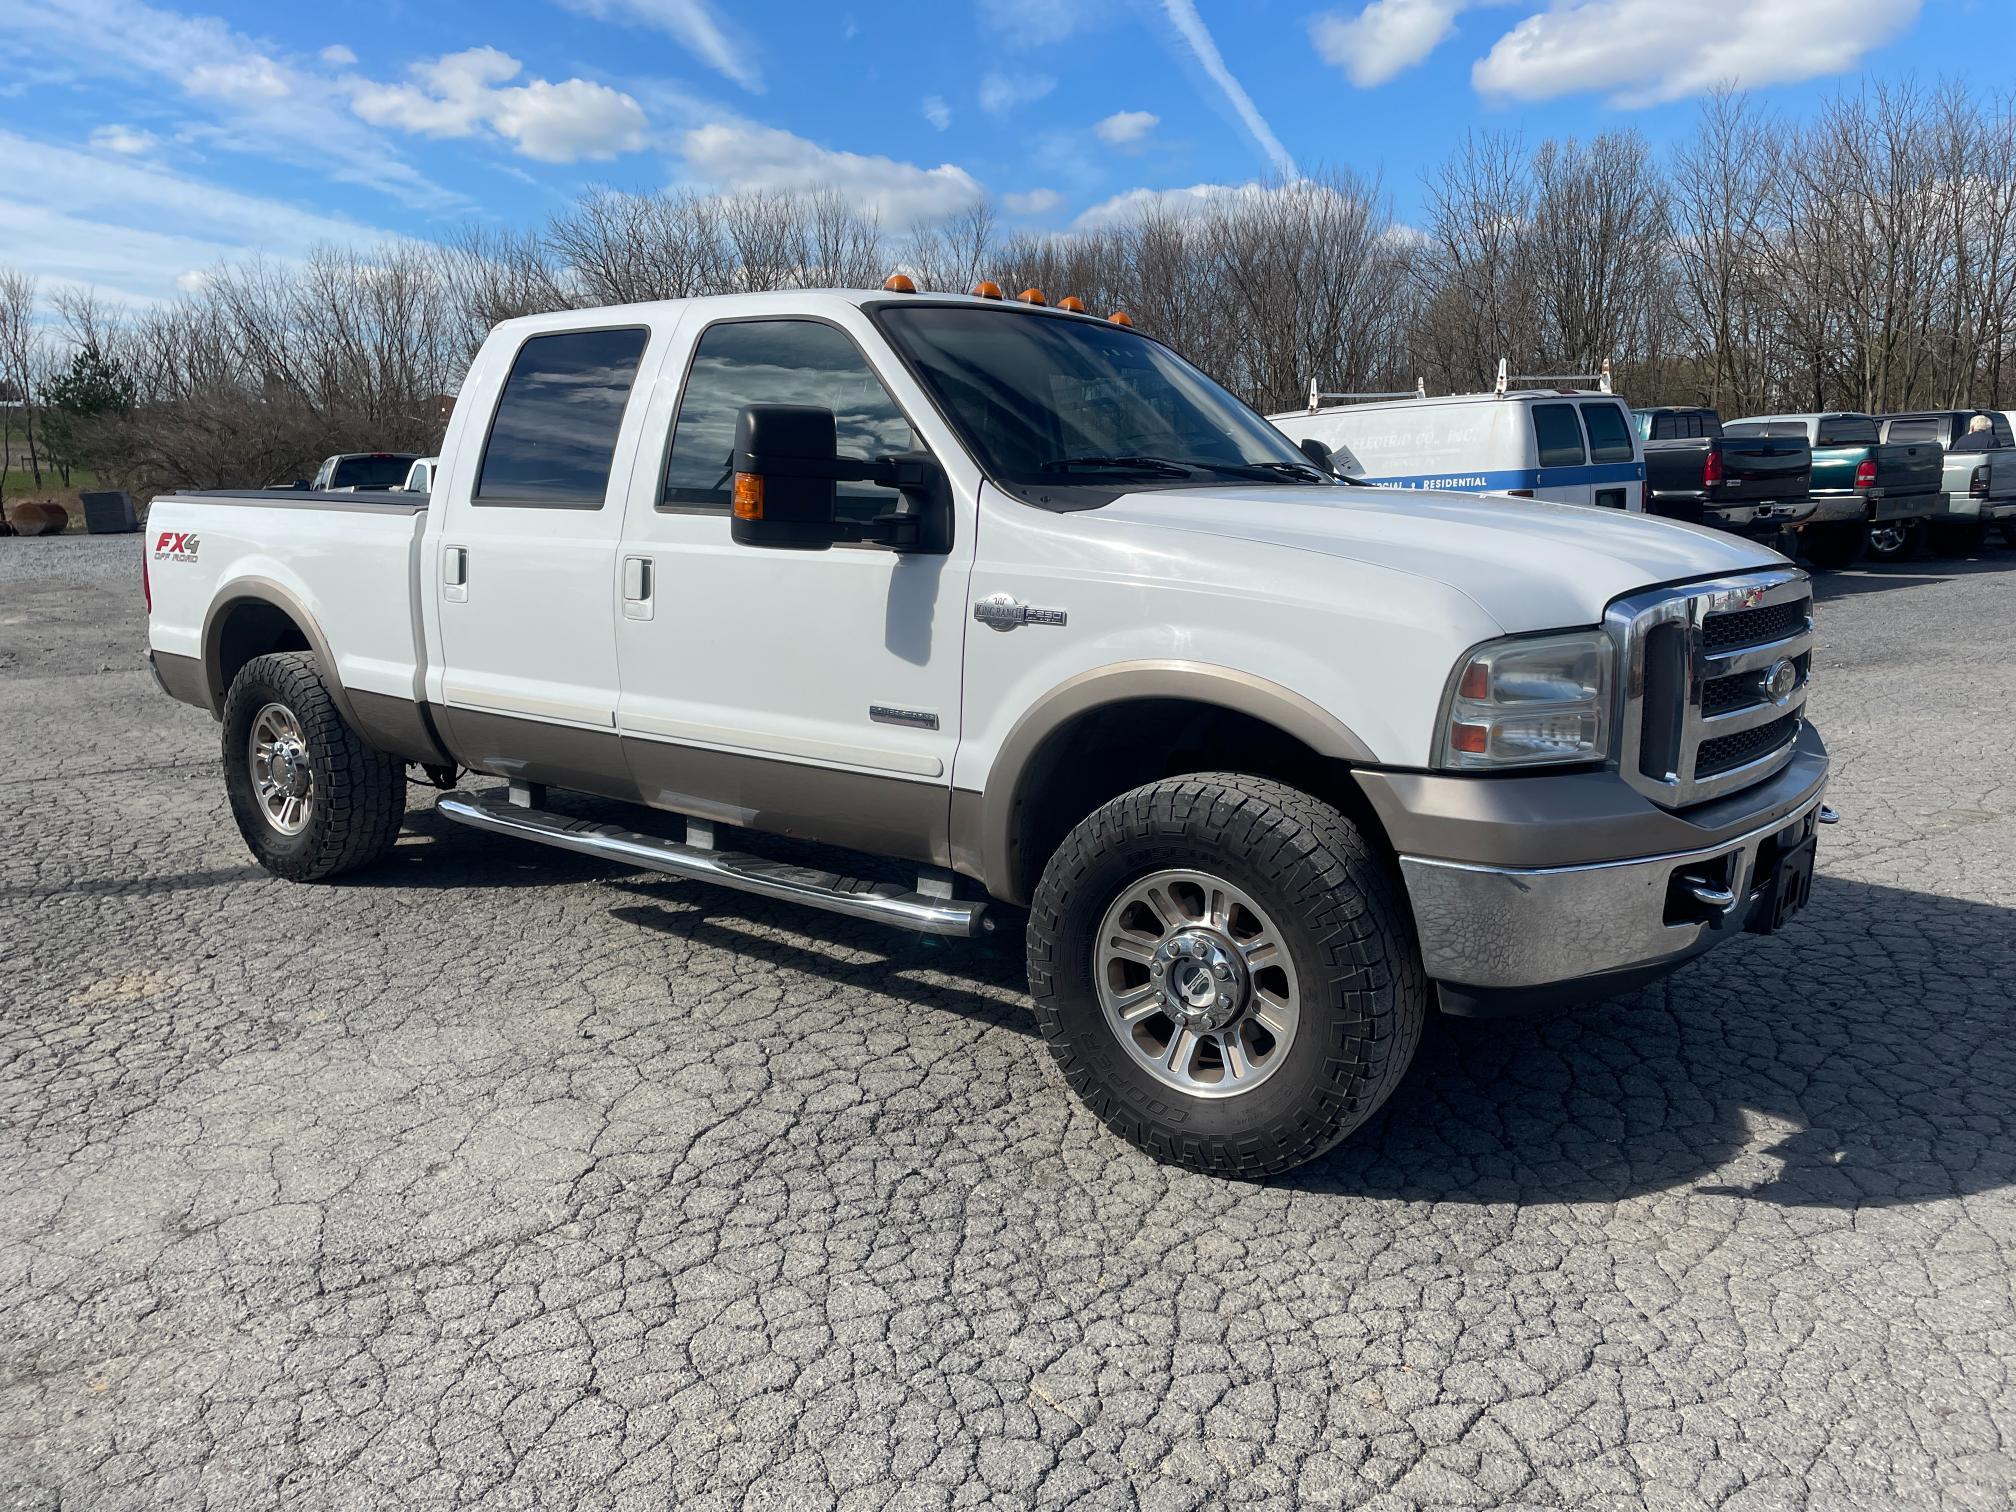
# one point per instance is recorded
(1863, 1058)
(1924, 571)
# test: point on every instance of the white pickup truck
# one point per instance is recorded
(1019, 599)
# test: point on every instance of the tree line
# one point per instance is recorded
(1864, 259)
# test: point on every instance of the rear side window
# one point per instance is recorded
(2003, 435)
(1559, 436)
(1609, 439)
(554, 437)
(1786, 428)
(1847, 430)
(742, 362)
(1925, 428)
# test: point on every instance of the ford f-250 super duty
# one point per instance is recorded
(1019, 598)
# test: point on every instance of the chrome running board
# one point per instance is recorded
(882, 902)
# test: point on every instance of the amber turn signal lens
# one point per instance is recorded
(987, 289)
(1071, 302)
(748, 496)
(1475, 683)
(1032, 296)
(1121, 317)
(898, 283)
(1470, 739)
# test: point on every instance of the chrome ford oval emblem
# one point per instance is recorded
(1781, 681)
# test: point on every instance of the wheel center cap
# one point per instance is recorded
(1203, 980)
(290, 770)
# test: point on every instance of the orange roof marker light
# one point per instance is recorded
(1071, 302)
(898, 283)
(1032, 296)
(987, 289)
(1121, 317)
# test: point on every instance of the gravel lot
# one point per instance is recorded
(501, 1178)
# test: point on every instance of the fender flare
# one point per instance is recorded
(259, 590)
(987, 846)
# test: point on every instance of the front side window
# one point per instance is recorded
(554, 438)
(742, 362)
(1609, 438)
(1559, 436)
(1068, 413)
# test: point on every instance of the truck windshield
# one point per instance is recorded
(386, 471)
(1048, 403)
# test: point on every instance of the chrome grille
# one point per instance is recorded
(1699, 718)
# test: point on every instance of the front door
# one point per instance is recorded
(813, 693)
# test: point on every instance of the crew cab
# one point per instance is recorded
(1750, 485)
(1980, 470)
(1019, 603)
(1868, 494)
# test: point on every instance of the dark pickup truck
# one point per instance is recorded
(1867, 494)
(1750, 485)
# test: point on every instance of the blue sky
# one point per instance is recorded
(140, 143)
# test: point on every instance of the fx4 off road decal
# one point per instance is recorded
(175, 546)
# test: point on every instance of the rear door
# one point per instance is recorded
(525, 576)
(1616, 469)
(1562, 454)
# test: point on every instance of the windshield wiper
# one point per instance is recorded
(1156, 467)
(1299, 470)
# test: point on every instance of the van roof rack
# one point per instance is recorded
(1320, 397)
(1600, 378)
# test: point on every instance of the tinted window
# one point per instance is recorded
(1786, 428)
(1925, 429)
(1053, 405)
(779, 362)
(1609, 440)
(555, 432)
(1848, 430)
(2003, 435)
(1559, 436)
(370, 472)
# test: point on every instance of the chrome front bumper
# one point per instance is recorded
(1507, 930)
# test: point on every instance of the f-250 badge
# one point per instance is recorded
(1002, 612)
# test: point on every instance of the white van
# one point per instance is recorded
(1565, 445)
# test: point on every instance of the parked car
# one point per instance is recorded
(1867, 493)
(1980, 484)
(420, 476)
(361, 472)
(1567, 446)
(1747, 485)
(1018, 600)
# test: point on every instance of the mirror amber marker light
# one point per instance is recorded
(748, 496)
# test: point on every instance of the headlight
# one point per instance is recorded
(1530, 701)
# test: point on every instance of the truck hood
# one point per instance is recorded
(1527, 564)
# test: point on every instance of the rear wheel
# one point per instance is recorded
(1226, 972)
(1832, 546)
(2009, 532)
(1894, 540)
(311, 799)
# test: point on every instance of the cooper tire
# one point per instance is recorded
(1345, 932)
(352, 798)
(1832, 547)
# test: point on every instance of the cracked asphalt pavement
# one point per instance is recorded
(499, 1178)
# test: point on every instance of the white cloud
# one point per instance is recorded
(1035, 202)
(336, 55)
(1001, 92)
(693, 24)
(1387, 37)
(1646, 51)
(1125, 126)
(937, 112)
(193, 281)
(80, 219)
(1193, 200)
(127, 141)
(251, 100)
(1040, 23)
(1194, 36)
(744, 158)
(456, 95)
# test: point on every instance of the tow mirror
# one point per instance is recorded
(786, 462)
(1318, 453)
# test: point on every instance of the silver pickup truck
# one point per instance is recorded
(1980, 482)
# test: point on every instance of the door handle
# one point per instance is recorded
(639, 573)
(455, 574)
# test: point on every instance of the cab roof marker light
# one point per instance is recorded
(987, 289)
(1032, 297)
(1121, 317)
(899, 283)
(1073, 303)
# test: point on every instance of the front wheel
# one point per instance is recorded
(1226, 972)
(1894, 540)
(310, 798)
